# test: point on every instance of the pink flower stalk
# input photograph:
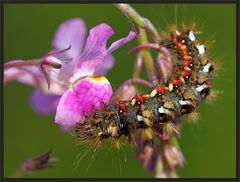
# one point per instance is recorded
(163, 63)
(78, 87)
(146, 152)
(163, 158)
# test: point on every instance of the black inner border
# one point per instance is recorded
(236, 2)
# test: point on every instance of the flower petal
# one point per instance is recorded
(70, 33)
(19, 75)
(105, 66)
(127, 93)
(42, 103)
(28, 74)
(94, 51)
(86, 95)
(117, 44)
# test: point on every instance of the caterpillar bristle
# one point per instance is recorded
(190, 26)
(131, 138)
(170, 129)
(147, 134)
(193, 117)
(212, 97)
(209, 43)
(116, 143)
(217, 66)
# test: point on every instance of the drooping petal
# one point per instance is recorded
(22, 76)
(22, 71)
(127, 93)
(174, 156)
(117, 44)
(70, 33)
(43, 103)
(85, 95)
(105, 66)
(94, 51)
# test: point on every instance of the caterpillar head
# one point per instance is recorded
(91, 131)
(103, 124)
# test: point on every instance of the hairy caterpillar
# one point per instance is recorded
(158, 111)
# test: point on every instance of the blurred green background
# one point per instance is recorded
(209, 145)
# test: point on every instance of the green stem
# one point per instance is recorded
(147, 57)
(152, 30)
(174, 141)
(159, 169)
(130, 13)
(138, 21)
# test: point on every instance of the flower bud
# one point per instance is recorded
(38, 163)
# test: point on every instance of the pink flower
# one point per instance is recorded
(78, 87)
(36, 73)
(88, 91)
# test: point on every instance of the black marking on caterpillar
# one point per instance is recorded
(158, 111)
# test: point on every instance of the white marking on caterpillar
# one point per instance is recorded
(139, 118)
(182, 102)
(191, 36)
(206, 68)
(201, 87)
(161, 110)
(201, 49)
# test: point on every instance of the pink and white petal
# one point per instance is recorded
(62, 75)
(67, 63)
(94, 51)
(43, 103)
(81, 99)
(19, 75)
(22, 70)
(70, 33)
(117, 44)
(55, 88)
(105, 66)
